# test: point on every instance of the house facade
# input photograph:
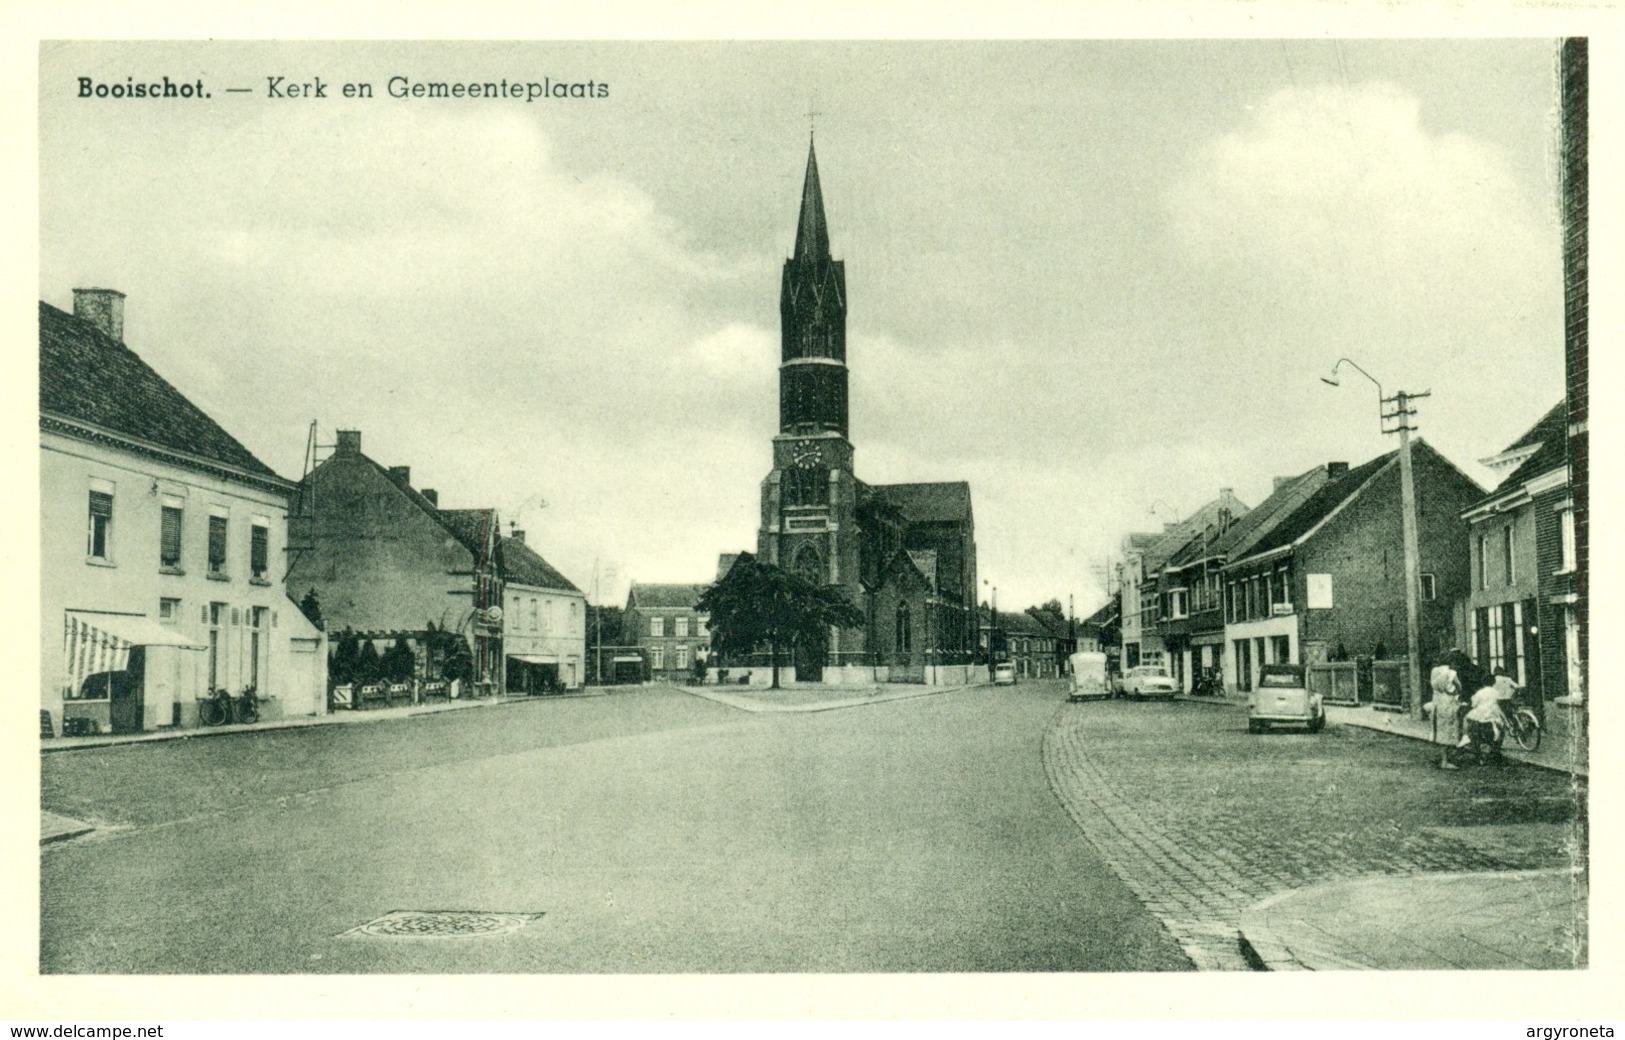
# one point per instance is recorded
(662, 619)
(1192, 617)
(544, 623)
(1148, 594)
(162, 545)
(1521, 611)
(388, 563)
(1327, 581)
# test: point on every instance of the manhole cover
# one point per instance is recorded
(440, 924)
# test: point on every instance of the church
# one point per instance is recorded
(903, 553)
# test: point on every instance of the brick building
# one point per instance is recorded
(905, 554)
(1573, 168)
(1191, 620)
(1520, 614)
(664, 622)
(386, 560)
(1328, 580)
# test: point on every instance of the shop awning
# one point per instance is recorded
(533, 659)
(130, 629)
(94, 643)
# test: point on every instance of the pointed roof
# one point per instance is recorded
(664, 596)
(928, 503)
(88, 377)
(1548, 439)
(522, 564)
(812, 233)
(472, 527)
(1327, 499)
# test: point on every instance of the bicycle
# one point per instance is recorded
(215, 709)
(220, 708)
(248, 705)
(1523, 726)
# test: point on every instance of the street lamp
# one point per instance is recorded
(1394, 416)
(992, 627)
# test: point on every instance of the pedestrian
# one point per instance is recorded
(1446, 710)
(1485, 724)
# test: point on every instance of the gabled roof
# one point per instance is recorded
(1252, 526)
(925, 561)
(928, 503)
(1320, 505)
(1107, 613)
(1023, 623)
(1551, 434)
(87, 376)
(472, 527)
(522, 564)
(664, 597)
(1053, 624)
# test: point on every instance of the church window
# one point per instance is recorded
(905, 629)
(808, 565)
(806, 486)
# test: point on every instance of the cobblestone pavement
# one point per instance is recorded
(1203, 820)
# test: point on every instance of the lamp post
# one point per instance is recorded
(992, 627)
(1394, 416)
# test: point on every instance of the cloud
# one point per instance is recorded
(1333, 194)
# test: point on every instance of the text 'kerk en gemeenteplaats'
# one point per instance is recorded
(315, 88)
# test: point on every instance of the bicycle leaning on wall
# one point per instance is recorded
(220, 707)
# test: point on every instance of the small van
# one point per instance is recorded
(1283, 698)
(1004, 673)
(1087, 677)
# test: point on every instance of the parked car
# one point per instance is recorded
(1148, 680)
(1087, 676)
(1282, 698)
(1004, 673)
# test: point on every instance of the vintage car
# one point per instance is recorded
(1086, 676)
(1004, 673)
(1147, 680)
(1283, 699)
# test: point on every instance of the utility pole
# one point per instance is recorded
(1397, 414)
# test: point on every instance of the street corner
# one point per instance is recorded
(54, 827)
(1523, 920)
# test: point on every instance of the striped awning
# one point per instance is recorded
(96, 642)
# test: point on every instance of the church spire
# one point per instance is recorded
(812, 234)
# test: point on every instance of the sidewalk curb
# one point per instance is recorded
(58, 745)
(1267, 950)
(747, 704)
(1510, 754)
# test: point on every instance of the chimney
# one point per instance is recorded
(103, 308)
(349, 443)
(1336, 469)
(432, 495)
(1280, 482)
(401, 475)
(516, 534)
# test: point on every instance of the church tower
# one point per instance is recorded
(809, 500)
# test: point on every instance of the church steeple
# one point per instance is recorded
(812, 317)
(812, 234)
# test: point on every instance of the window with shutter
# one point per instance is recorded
(217, 544)
(169, 537)
(259, 550)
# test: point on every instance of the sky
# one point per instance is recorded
(1099, 280)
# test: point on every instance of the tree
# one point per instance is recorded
(311, 607)
(1053, 607)
(367, 663)
(757, 604)
(342, 664)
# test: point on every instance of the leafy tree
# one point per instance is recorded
(398, 664)
(311, 607)
(342, 662)
(1053, 607)
(367, 663)
(758, 604)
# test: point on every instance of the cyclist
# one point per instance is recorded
(1485, 723)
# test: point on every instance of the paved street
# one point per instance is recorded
(654, 830)
(657, 831)
(1205, 820)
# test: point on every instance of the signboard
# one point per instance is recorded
(1320, 592)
